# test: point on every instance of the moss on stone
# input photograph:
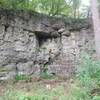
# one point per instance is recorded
(2, 69)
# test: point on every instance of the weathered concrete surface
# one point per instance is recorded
(30, 41)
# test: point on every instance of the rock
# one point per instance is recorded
(7, 71)
(25, 68)
(61, 30)
(36, 70)
(66, 33)
(29, 41)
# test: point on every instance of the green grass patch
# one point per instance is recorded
(22, 77)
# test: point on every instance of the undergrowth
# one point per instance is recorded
(22, 77)
(86, 85)
(88, 74)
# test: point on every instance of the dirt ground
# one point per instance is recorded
(28, 86)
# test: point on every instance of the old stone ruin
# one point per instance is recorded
(31, 43)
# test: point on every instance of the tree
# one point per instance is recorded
(66, 8)
(54, 7)
(96, 24)
(75, 6)
(14, 4)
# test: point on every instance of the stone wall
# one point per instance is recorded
(30, 41)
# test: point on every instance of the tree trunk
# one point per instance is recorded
(96, 25)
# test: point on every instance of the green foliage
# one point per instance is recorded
(47, 76)
(86, 80)
(22, 77)
(40, 93)
(69, 8)
(88, 74)
(79, 94)
(96, 98)
(13, 4)
(54, 7)
(89, 69)
(44, 73)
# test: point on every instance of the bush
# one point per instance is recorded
(88, 70)
(88, 74)
(96, 98)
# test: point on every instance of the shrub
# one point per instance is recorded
(88, 74)
(88, 70)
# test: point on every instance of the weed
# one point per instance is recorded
(22, 77)
(88, 74)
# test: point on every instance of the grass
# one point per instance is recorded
(40, 91)
(85, 85)
(37, 92)
(61, 91)
(47, 76)
(22, 77)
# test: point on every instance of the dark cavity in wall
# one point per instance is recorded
(42, 38)
(6, 27)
